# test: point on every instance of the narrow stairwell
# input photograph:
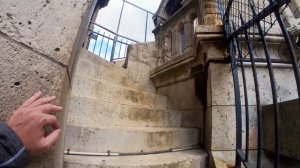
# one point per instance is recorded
(109, 113)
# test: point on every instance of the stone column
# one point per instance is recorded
(189, 34)
(175, 43)
(212, 14)
(295, 7)
(289, 18)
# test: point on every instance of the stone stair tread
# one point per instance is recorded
(119, 103)
(121, 82)
(86, 56)
(130, 128)
(191, 158)
(105, 92)
(85, 110)
(119, 139)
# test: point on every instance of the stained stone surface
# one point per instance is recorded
(220, 91)
(24, 72)
(49, 27)
(36, 39)
(288, 126)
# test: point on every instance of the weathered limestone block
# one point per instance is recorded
(189, 34)
(24, 72)
(220, 87)
(295, 7)
(180, 95)
(148, 56)
(39, 24)
(175, 42)
(221, 128)
(288, 126)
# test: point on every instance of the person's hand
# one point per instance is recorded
(29, 120)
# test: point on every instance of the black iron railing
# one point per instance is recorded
(107, 44)
(248, 23)
(134, 25)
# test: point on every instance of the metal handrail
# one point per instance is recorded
(113, 32)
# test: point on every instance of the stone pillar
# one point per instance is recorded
(175, 43)
(212, 14)
(189, 34)
(289, 18)
(295, 7)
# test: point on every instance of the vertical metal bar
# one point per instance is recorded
(290, 49)
(258, 106)
(120, 47)
(237, 97)
(96, 42)
(245, 96)
(146, 27)
(229, 5)
(273, 87)
(116, 37)
(107, 45)
(120, 17)
(101, 44)
(113, 48)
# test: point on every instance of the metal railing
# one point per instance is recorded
(111, 38)
(247, 23)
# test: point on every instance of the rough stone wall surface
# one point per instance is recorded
(142, 58)
(49, 27)
(220, 115)
(182, 97)
(36, 39)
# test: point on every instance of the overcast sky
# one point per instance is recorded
(133, 20)
(132, 25)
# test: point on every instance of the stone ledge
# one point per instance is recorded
(170, 65)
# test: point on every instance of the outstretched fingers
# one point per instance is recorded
(32, 99)
(48, 108)
(42, 101)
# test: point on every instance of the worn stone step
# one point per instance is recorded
(182, 159)
(93, 112)
(106, 92)
(91, 63)
(115, 80)
(81, 138)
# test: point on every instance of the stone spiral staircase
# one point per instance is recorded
(111, 114)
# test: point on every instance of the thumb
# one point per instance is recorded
(52, 138)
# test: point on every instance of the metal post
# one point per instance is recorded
(273, 87)
(120, 17)
(256, 85)
(116, 37)
(237, 95)
(113, 48)
(245, 95)
(146, 27)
